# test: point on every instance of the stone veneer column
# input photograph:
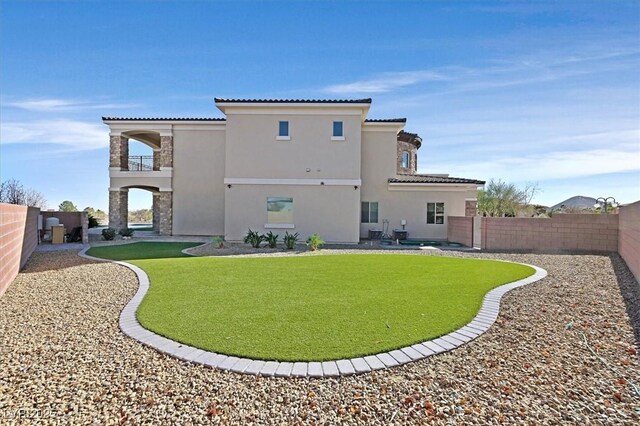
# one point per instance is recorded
(166, 151)
(156, 159)
(119, 152)
(155, 212)
(470, 208)
(118, 209)
(165, 209)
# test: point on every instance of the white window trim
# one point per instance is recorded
(337, 138)
(283, 138)
(279, 226)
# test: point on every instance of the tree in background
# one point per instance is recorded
(141, 216)
(99, 217)
(67, 206)
(13, 192)
(506, 199)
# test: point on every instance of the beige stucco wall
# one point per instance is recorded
(409, 203)
(331, 211)
(198, 176)
(253, 152)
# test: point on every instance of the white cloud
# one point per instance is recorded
(622, 157)
(56, 105)
(79, 135)
(385, 82)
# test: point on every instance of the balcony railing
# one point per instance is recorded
(141, 163)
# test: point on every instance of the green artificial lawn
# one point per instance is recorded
(315, 308)
(141, 250)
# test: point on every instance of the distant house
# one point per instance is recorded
(301, 166)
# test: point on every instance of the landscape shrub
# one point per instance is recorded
(290, 240)
(127, 232)
(254, 238)
(272, 239)
(314, 242)
(108, 234)
(217, 242)
(93, 222)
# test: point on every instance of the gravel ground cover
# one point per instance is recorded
(63, 360)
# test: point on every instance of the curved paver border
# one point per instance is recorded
(483, 320)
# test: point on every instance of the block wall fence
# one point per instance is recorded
(70, 220)
(629, 237)
(18, 239)
(460, 230)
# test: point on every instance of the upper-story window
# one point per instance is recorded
(338, 131)
(283, 130)
(405, 159)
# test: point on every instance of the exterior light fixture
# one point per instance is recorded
(229, 186)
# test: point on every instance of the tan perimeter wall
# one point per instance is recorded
(18, 239)
(589, 232)
(460, 230)
(629, 237)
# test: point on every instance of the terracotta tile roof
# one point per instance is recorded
(411, 138)
(295, 101)
(161, 119)
(434, 179)
(385, 120)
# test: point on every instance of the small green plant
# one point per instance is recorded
(271, 239)
(217, 242)
(127, 232)
(254, 238)
(315, 242)
(108, 234)
(290, 240)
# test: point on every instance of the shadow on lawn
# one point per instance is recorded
(630, 291)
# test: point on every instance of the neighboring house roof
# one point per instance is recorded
(411, 138)
(577, 202)
(295, 101)
(160, 119)
(434, 179)
(385, 120)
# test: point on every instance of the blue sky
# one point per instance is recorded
(522, 91)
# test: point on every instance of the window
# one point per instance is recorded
(369, 213)
(283, 130)
(435, 213)
(338, 129)
(405, 159)
(280, 210)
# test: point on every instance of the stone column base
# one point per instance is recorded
(165, 209)
(119, 209)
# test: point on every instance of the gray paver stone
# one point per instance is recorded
(360, 365)
(345, 367)
(241, 365)
(387, 359)
(329, 368)
(269, 368)
(374, 362)
(284, 369)
(436, 348)
(400, 356)
(254, 367)
(299, 369)
(424, 350)
(228, 363)
(314, 369)
(412, 353)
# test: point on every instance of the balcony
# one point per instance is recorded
(140, 173)
(140, 163)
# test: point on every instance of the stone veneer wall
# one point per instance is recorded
(119, 152)
(18, 240)
(413, 158)
(470, 208)
(460, 230)
(629, 237)
(166, 151)
(119, 209)
(165, 209)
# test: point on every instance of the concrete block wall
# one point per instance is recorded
(460, 230)
(571, 232)
(629, 237)
(18, 240)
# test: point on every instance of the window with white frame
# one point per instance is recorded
(435, 213)
(279, 210)
(283, 130)
(405, 159)
(369, 212)
(338, 129)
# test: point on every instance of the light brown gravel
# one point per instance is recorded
(63, 360)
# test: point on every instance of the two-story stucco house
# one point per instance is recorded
(306, 166)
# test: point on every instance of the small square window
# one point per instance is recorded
(369, 212)
(337, 129)
(279, 210)
(435, 213)
(283, 128)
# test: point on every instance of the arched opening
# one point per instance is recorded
(140, 210)
(157, 220)
(143, 150)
